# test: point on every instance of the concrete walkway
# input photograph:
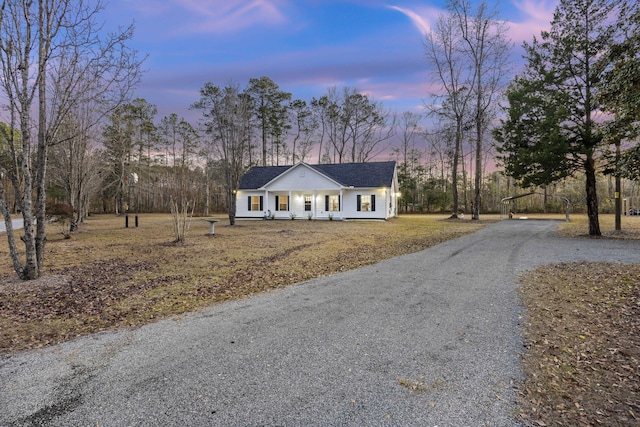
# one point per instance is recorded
(427, 339)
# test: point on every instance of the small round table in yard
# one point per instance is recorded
(211, 222)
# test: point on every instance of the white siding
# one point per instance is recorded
(242, 205)
(350, 206)
(302, 177)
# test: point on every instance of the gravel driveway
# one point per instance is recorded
(427, 339)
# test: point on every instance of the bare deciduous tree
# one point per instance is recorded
(409, 156)
(75, 167)
(319, 107)
(52, 59)
(305, 126)
(487, 50)
(356, 126)
(226, 118)
(444, 48)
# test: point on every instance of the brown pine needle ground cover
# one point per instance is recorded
(582, 365)
(108, 276)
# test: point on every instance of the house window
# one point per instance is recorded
(332, 203)
(282, 203)
(255, 203)
(307, 203)
(366, 202)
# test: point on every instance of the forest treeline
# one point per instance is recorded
(75, 139)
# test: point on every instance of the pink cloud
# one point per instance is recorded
(537, 10)
(232, 15)
(538, 16)
(419, 20)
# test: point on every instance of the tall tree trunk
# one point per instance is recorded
(13, 250)
(207, 194)
(41, 165)
(231, 203)
(592, 197)
(30, 270)
(454, 169)
(477, 198)
(618, 191)
(465, 186)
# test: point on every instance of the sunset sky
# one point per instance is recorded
(305, 46)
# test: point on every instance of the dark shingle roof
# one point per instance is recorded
(362, 175)
(258, 176)
(375, 174)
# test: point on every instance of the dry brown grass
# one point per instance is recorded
(582, 365)
(579, 227)
(109, 276)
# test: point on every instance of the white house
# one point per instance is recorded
(329, 191)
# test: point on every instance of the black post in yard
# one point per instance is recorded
(618, 193)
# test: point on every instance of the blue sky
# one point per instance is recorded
(305, 46)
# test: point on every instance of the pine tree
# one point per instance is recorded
(550, 132)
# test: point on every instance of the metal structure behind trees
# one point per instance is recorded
(506, 211)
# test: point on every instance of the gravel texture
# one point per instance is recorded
(428, 339)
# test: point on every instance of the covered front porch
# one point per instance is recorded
(304, 204)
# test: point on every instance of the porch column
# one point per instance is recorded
(315, 204)
(266, 201)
